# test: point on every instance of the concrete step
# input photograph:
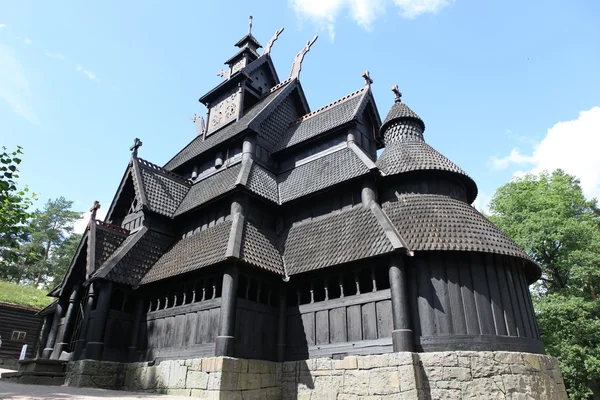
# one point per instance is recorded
(42, 365)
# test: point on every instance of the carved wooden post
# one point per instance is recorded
(58, 312)
(86, 321)
(281, 327)
(368, 193)
(402, 335)
(45, 332)
(225, 343)
(95, 344)
(65, 334)
(135, 333)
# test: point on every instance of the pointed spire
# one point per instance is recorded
(137, 143)
(367, 77)
(250, 26)
(269, 45)
(397, 94)
(297, 65)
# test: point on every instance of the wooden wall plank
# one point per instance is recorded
(308, 323)
(425, 300)
(512, 288)
(482, 295)
(354, 323)
(468, 296)
(440, 296)
(495, 297)
(384, 319)
(369, 321)
(338, 330)
(459, 324)
(322, 326)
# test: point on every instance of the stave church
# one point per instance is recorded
(285, 233)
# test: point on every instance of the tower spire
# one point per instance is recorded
(397, 94)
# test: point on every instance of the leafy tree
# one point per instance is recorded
(52, 226)
(14, 203)
(549, 217)
(63, 255)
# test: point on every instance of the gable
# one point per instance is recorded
(128, 198)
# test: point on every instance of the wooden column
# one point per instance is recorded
(65, 335)
(225, 342)
(248, 147)
(281, 326)
(58, 312)
(95, 339)
(135, 333)
(368, 193)
(402, 335)
(45, 332)
(89, 304)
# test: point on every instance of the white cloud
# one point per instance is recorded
(57, 56)
(87, 73)
(569, 145)
(27, 41)
(2, 26)
(482, 202)
(324, 12)
(82, 223)
(14, 86)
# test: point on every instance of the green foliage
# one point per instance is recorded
(23, 295)
(549, 217)
(14, 203)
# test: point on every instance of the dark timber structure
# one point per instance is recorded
(279, 234)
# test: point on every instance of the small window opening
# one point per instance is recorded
(18, 336)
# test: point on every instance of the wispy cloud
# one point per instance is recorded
(324, 13)
(81, 223)
(2, 26)
(57, 56)
(569, 145)
(87, 73)
(14, 86)
(27, 41)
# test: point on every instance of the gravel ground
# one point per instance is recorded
(35, 392)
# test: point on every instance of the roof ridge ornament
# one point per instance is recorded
(93, 211)
(397, 93)
(137, 143)
(297, 65)
(200, 125)
(367, 77)
(250, 25)
(269, 45)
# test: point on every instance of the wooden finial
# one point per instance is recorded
(297, 65)
(367, 78)
(224, 73)
(267, 49)
(250, 25)
(94, 209)
(397, 93)
(137, 143)
(200, 125)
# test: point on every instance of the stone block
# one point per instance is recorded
(485, 366)
(532, 362)
(407, 378)
(384, 382)
(370, 362)
(324, 363)
(456, 374)
(349, 362)
(508, 357)
(179, 392)
(213, 364)
(197, 380)
(177, 376)
(289, 367)
(401, 358)
(306, 365)
(439, 359)
(250, 381)
(196, 364)
(203, 394)
(214, 381)
(356, 382)
(268, 380)
(449, 384)
(230, 380)
(288, 390)
(482, 388)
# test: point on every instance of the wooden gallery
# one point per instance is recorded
(279, 234)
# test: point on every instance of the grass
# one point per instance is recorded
(23, 295)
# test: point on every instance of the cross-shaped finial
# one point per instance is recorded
(137, 143)
(93, 210)
(250, 25)
(397, 93)
(367, 78)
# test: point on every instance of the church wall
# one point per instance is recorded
(471, 301)
(430, 183)
(339, 313)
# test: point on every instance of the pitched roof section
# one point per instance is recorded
(260, 248)
(401, 110)
(263, 183)
(199, 146)
(324, 119)
(338, 238)
(163, 190)
(319, 174)
(108, 238)
(435, 222)
(192, 253)
(135, 257)
(210, 188)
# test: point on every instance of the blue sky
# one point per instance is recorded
(504, 87)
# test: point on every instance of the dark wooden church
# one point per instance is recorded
(278, 233)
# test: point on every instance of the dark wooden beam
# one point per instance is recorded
(402, 335)
(225, 342)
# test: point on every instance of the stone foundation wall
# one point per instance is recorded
(418, 376)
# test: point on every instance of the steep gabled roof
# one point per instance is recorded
(163, 190)
(324, 119)
(198, 146)
(338, 238)
(260, 248)
(320, 173)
